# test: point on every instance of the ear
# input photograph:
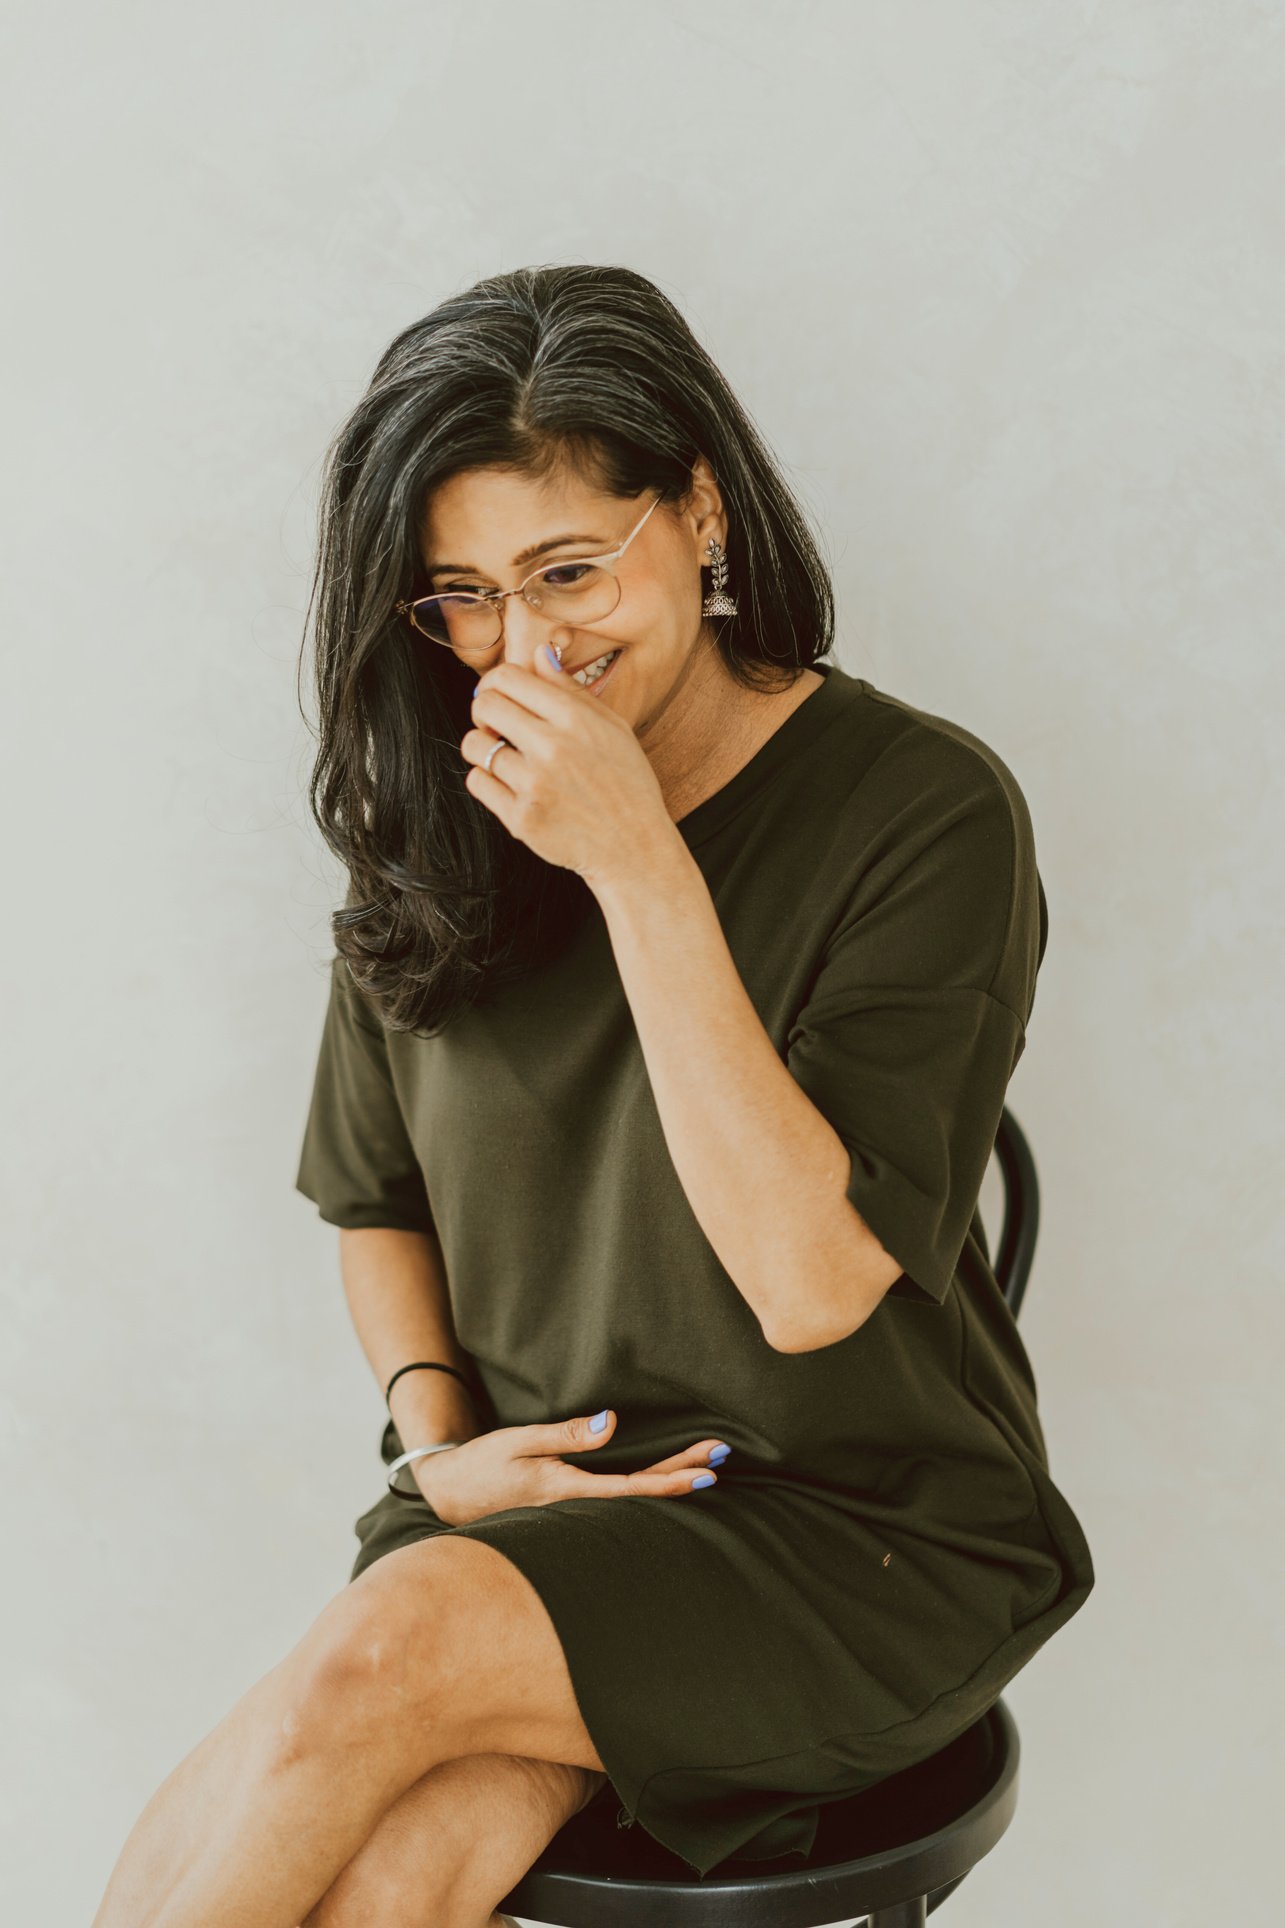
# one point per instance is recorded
(705, 507)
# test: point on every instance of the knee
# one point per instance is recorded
(353, 1673)
(367, 1891)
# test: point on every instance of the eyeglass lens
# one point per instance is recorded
(574, 592)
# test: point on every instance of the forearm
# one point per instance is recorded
(764, 1172)
(395, 1284)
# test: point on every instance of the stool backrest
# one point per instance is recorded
(1021, 1211)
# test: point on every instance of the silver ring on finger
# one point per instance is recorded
(489, 758)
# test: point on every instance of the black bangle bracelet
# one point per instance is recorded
(419, 1365)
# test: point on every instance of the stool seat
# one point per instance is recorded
(891, 1852)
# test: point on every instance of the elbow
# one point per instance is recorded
(798, 1340)
(780, 1342)
(846, 1310)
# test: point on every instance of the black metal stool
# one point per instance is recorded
(891, 1853)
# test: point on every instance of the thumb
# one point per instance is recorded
(581, 1433)
(572, 1435)
(591, 1431)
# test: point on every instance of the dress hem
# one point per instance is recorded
(996, 1669)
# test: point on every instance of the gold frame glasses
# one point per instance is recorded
(468, 602)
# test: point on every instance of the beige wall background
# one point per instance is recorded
(1003, 283)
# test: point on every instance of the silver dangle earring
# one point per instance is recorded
(718, 602)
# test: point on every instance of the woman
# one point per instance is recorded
(676, 995)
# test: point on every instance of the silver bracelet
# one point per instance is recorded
(404, 1459)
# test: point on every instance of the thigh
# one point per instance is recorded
(460, 1639)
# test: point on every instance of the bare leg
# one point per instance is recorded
(241, 1769)
(455, 1844)
(440, 1651)
(507, 1851)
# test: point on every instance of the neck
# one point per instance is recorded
(710, 727)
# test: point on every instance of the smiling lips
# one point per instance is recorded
(603, 674)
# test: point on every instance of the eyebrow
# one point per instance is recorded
(527, 555)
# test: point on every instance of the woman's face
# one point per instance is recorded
(480, 525)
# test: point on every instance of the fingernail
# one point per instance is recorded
(599, 1420)
(718, 1454)
(703, 1479)
(477, 686)
(549, 653)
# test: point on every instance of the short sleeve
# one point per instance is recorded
(357, 1164)
(905, 1042)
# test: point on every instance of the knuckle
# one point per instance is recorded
(543, 1479)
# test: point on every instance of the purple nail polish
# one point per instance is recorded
(703, 1479)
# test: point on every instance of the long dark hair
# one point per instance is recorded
(586, 365)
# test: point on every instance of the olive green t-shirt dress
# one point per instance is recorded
(885, 1547)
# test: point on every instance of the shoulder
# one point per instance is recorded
(906, 748)
(942, 817)
(912, 776)
(350, 1003)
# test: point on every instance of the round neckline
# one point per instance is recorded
(798, 729)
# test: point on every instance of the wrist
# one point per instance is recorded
(662, 866)
(421, 1471)
(430, 1406)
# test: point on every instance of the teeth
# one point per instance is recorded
(592, 671)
